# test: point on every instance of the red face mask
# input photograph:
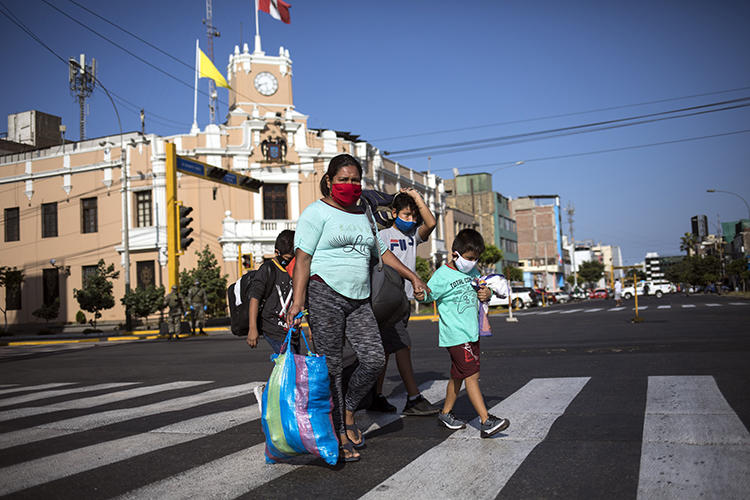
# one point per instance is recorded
(346, 195)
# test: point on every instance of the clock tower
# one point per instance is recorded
(260, 84)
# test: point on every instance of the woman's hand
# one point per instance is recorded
(420, 288)
(484, 294)
(293, 311)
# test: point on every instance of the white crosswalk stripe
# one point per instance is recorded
(92, 421)
(60, 392)
(451, 469)
(96, 400)
(694, 445)
(571, 311)
(617, 309)
(34, 387)
(713, 305)
(688, 306)
(664, 307)
(595, 309)
(739, 303)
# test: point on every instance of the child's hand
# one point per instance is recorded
(484, 294)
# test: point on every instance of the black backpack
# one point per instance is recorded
(239, 314)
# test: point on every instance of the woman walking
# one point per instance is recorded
(334, 242)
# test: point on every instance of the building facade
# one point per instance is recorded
(540, 243)
(66, 206)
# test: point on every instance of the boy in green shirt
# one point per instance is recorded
(458, 308)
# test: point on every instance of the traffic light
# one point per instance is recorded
(185, 229)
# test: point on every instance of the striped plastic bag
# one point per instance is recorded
(297, 406)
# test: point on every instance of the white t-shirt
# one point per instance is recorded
(404, 247)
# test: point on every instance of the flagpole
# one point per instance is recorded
(257, 31)
(194, 129)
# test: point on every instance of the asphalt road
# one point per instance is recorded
(600, 407)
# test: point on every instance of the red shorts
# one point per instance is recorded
(464, 360)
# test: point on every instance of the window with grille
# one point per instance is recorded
(87, 271)
(49, 220)
(12, 224)
(143, 209)
(50, 286)
(89, 215)
(13, 295)
(145, 273)
(274, 201)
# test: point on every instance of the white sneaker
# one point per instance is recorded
(258, 391)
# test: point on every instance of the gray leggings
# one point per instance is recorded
(333, 316)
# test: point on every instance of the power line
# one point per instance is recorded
(561, 115)
(564, 131)
(600, 151)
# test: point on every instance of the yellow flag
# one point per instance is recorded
(206, 69)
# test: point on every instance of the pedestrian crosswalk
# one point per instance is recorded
(57, 439)
(661, 307)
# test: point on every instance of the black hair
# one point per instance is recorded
(285, 242)
(468, 240)
(402, 201)
(337, 163)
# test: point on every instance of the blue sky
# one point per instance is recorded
(393, 69)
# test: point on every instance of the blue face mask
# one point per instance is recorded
(404, 226)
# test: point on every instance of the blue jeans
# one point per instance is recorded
(276, 345)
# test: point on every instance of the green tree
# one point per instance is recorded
(590, 272)
(96, 294)
(144, 301)
(48, 311)
(208, 273)
(688, 242)
(10, 279)
(513, 273)
(424, 270)
(737, 269)
(491, 256)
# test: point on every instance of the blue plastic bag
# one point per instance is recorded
(297, 406)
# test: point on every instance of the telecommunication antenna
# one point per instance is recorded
(82, 79)
(211, 32)
(571, 212)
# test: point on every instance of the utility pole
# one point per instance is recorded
(82, 79)
(571, 211)
(211, 32)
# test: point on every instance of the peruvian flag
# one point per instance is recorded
(278, 9)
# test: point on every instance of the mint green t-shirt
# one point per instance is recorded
(457, 304)
(341, 244)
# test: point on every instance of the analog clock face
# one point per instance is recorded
(266, 83)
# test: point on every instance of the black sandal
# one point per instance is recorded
(356, 429)
(348, 446)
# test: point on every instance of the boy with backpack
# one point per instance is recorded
(458, 307)
(271, 295)
(413, 223)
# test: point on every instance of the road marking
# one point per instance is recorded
(664, 307)
(713, 305)
(452, 468)
(694, 445)
(738, 303)
(593, 310)
(547, 312)
(97, 400)
(641, 308)
(688, 306)
(60, 392)
(617, 309)
(571, 311)
(34, 387)
(50, 468)
(234, 475)
(88, 422)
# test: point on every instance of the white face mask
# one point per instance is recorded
(464, 265)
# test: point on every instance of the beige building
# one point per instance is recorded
(63, 206)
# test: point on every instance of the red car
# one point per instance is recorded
(599, 293)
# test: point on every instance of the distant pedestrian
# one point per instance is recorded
(198, 302)
(176, 312)
(618, 292)
(458, 308)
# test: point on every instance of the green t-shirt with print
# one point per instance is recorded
(457, 304)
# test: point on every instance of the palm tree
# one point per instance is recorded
(687, 243)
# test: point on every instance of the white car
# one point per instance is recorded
(522, 297)
(657, 288)
(562, 297)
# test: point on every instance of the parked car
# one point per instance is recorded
(657, 288)
(522, 297)
(599, 293)
(562, 297)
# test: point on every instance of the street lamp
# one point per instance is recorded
(735, 194)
